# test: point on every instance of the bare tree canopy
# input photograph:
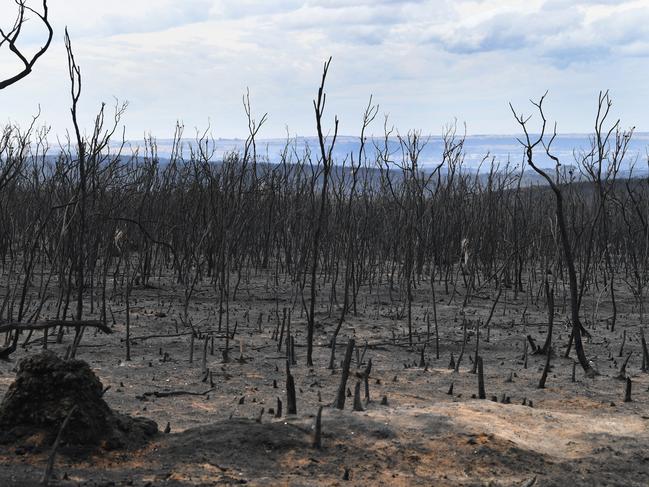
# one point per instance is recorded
(11, 38)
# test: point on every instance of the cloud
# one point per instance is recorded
(238, 9)
(562, 32)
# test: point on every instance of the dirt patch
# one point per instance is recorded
(381, 447)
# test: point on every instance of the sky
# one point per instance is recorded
(426, 63)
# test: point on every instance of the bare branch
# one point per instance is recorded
(12, 37)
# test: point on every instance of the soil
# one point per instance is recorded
(411, 432)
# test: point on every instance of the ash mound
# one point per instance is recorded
(44, 392)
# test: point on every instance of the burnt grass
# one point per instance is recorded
(222, 424)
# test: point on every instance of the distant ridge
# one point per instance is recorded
(500, 148)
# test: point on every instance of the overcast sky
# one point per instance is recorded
(426, 62)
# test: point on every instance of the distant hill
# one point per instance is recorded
(500, 148)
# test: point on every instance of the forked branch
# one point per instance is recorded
(11, 38)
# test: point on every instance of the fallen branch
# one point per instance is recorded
(42, 325)
(148, 337)
(8, 327)
(176, 393)
(50, 461)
